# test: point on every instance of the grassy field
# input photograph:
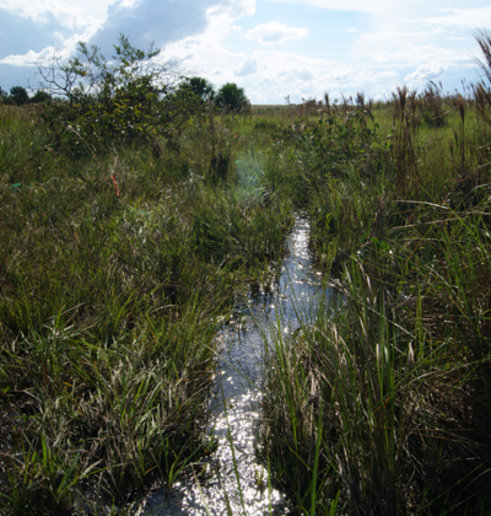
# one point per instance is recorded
(118, 265)
(117, 270)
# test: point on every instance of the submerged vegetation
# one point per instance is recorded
(132, 224)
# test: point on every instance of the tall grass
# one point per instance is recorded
(116, 271)
(380, 405)
(110, 299)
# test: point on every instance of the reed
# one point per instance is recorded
(380, 404)
(369, 402)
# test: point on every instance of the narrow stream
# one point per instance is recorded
(235, 482)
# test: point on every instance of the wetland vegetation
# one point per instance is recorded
(129, 232)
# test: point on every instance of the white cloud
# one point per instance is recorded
(207, 54)
(386, 42)
(248, 68)
(471, 17)
(31, 58)
(404, 49)
(274, 32)
(70, 13)
(239, 8)
(385, 55)
(373, 6)
(280, 64)
(44, 56)
(422, 75)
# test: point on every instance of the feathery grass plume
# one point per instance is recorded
(483, 39)
(482, 90)
(459, 103)
(482, 98)
(431, 105)
(327, 104)
(406, 169)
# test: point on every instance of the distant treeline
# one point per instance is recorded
(18, 96)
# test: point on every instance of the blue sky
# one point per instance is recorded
(271, 48)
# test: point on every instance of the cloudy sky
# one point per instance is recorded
(271, 48)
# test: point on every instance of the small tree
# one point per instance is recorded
(200, 87)
(40, 96)
(191, 96)
(231, 98)
(19, 95)
(109, 101)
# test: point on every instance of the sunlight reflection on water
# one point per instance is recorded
(237, 483)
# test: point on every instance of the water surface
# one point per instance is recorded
(234, 481)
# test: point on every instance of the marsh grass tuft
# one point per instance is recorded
(381, 404)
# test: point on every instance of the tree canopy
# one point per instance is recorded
(200, 87)
(231, 98)
(110, 100)
(192, 95)
(19, 95)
